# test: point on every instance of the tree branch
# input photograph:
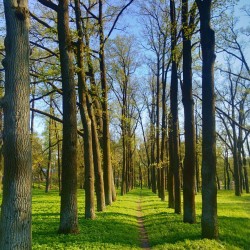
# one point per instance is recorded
(49, 4)
(116, 20)
(42, 47)
(40, 21)
(52, 117)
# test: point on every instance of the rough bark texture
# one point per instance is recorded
(170, 176)
(15, 227)
(68, 213)
(188, 103)
(158, 127)
(174, 160)
(152, 144)
(91, 143)
(107, 167)
(209, 222)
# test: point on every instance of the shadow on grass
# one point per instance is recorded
(235, 231)
(116, 230)
(168, 228)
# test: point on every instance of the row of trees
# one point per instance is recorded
(75, 64)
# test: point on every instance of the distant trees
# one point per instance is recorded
(123, 63)
(232, 105)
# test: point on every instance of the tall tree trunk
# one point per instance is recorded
(175, 162)
(58, 158)
(107, 168)
(164, 125)
(15, 227)
(89, 130)
(237, 182)
(197, 169)
(48, 173)
(189, 126)
(170, 176)
(124, 140)
(209, 221)
(152, 144)
(68, 211)
(158, 127)
(94, 88)
(245, 170)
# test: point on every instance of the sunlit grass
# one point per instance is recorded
(167, 231)
(117, 228)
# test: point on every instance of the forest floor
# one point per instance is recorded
(139, 220)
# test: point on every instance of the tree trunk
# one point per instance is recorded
(15, 227)
(68, 211)
(158, 126)
(170, 176)
(107, 168)
(48, 173)
(189, 126)
(58, 158)
(174, 160)
(86, 112)
(197, 169)
(245, 170)
(209, 221)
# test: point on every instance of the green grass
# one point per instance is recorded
(117, 228)
(167, 231)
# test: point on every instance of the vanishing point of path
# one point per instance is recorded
(142, 231)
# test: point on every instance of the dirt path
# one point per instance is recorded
(143, 233)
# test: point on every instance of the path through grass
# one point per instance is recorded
(117, 227)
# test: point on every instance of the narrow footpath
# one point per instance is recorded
(143, 232)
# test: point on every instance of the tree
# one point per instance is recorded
(107, 168)
(15, 227)
(85, 106)
(68, 209)
(68, 212)
(123, 63)
(174, 122)
(189, 125)
(209, 221)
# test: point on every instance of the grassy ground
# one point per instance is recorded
(117, 228)
(167, 231)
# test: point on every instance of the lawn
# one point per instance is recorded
(167, 231)
(117, 228)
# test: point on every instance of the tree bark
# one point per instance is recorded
(107, 167)
(48, 173)
(15, 233)
(189, 126)
(91, 156)
(170, 176)
(68, 211)
(174, 160)
(209, 221)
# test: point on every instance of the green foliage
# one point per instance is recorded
(116, 228)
